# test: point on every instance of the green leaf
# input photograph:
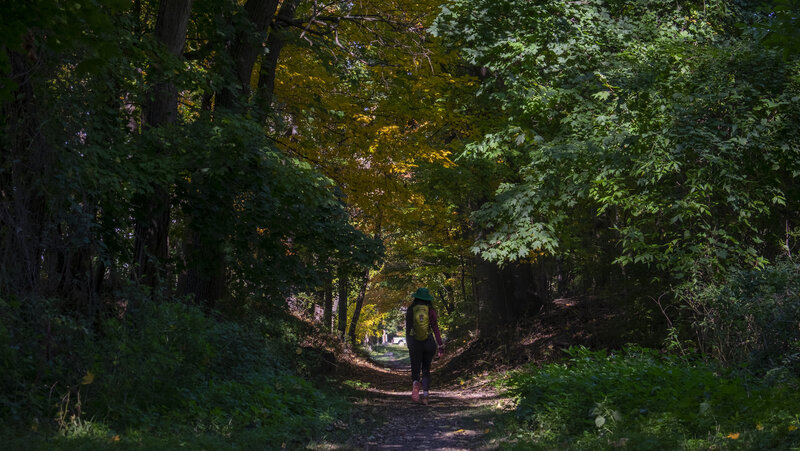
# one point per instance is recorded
(602, 95)
(599, 421)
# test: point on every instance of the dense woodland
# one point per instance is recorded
(205, 203)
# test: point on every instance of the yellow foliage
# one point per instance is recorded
(370, 126)
(370, 321)
(255, 74)
(88, 379)
(363, 118)
(389, 130)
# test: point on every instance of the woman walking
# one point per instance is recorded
(421, 319)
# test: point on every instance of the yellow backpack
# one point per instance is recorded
(422, 321)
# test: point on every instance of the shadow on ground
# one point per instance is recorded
(459, 417)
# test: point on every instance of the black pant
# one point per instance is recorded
(421, 353)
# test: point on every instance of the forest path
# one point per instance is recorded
(458, 417)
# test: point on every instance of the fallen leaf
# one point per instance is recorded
(760, 427)
(792, 427)
(88, 379)
(733, 436)
(115, 438)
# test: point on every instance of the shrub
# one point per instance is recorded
(162, 370)
(41, 349)
(641, 399)
(752, 317)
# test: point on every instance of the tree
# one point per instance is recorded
(135, 150)
(371, 102)
(652, 126)
(153, 215)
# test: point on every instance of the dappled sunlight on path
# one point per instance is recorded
(454, 420)
(457, 417)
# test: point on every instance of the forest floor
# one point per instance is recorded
(465, 405)
(458, 416)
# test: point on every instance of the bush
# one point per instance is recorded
(159, 369)
(752, 317)
(40, 349)
(641, 399)
(178, 366)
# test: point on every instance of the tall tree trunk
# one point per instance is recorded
(22, 194)
(487, 290)
(151, 248)
(245, 50)
(504, 294)
(207, 282)
(343, 290)
(275, 43)
(463, 280)
(204, 280)
(327, 315)
(447, 295)
(362, 291)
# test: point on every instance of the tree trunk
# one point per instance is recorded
(504, 295)
(204, 281)
(208, 283)
(327, 315)
(447, 295)
(343, 289)
(245, 50)
(487, 292)
(463, 280)
(22, 194)
(359, 304)
(151, 248)
(275, 43)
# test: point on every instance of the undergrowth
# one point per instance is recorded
(163, 375)
(642, 399)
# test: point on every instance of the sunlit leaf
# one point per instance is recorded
(88, 379)
(599, 421)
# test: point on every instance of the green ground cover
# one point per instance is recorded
(642, 399)
(170, 377)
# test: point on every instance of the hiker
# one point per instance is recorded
(421, 317)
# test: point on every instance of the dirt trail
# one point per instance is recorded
(457, 418)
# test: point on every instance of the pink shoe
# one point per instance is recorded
(415, 391)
